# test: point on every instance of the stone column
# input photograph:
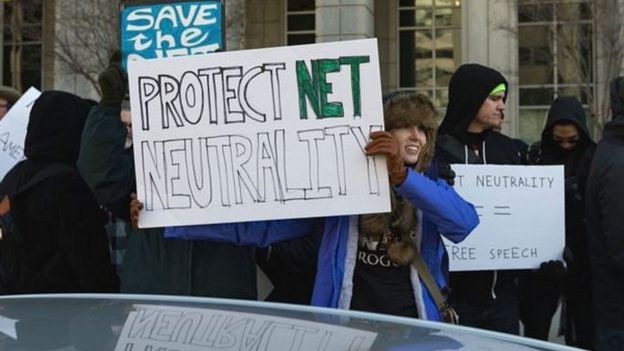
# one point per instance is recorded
(234, 24)
(489, 37)
(344, 20)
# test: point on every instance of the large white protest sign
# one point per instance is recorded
(13, 131)
(521, 212)
(151, 327)
(258, 134)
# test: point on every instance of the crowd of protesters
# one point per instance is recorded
(72, 200)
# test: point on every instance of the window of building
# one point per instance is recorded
(429, 37)
(300, 22)
(22, 44)
(555, 57)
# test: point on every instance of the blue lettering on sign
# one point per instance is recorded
(168, 30)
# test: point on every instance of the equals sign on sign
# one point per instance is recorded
(502, 210)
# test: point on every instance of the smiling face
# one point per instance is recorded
(412, 141)
(490, 114)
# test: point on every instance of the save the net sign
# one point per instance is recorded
(258, 134)
(151, 29)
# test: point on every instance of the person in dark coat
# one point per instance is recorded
(565, 141)
(477, 94)
(59, 220)
(605, 227)
(152, 264)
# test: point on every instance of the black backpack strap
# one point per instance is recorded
(47, 172)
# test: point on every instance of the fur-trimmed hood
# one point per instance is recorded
(403, 109)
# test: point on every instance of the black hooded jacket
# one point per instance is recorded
(605, 217)
(59, 220)
(566, 110)
(469, 86)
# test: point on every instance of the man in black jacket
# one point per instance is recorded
(565, 141)
(59, 221)
(605, 224)
(477, 94)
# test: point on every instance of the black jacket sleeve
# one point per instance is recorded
(611, 203)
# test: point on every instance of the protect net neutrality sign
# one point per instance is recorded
(177, 28)
(522, 217)
(258, 134)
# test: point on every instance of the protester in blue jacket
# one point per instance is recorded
(365, 262)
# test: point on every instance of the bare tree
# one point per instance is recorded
(86, 35)
(584, 39)
(609, 33)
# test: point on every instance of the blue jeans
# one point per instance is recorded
(609, 338)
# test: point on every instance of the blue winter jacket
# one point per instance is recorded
(443, 212)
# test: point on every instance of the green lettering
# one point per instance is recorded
(328, 109)
(354, 62)
(307, 87)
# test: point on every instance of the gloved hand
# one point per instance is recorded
(445, 172)
(113, 82)
(384, 143)
(135, 207)
(553, 271)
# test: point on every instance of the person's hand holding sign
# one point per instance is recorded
(384, 143)
(135, 207)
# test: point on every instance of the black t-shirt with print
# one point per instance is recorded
(379, 285)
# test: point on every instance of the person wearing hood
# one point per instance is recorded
(60, 224)
(565, 141)
(477, 94)
(605, 227)
(366, 262)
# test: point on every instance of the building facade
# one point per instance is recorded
(543, 47)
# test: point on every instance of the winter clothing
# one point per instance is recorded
(469, 87)
(113, 82)
(338, 276)
(152, 264)
(155, 265)
(290, 265)
(59, 219)
(384, 142)
(538, 288)
(103, 161)
(443, 211)
(605, 236)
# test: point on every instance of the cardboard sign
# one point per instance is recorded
(13, 131)
(151, 327)
(522, 217)
(258, 134)
(172, 29)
